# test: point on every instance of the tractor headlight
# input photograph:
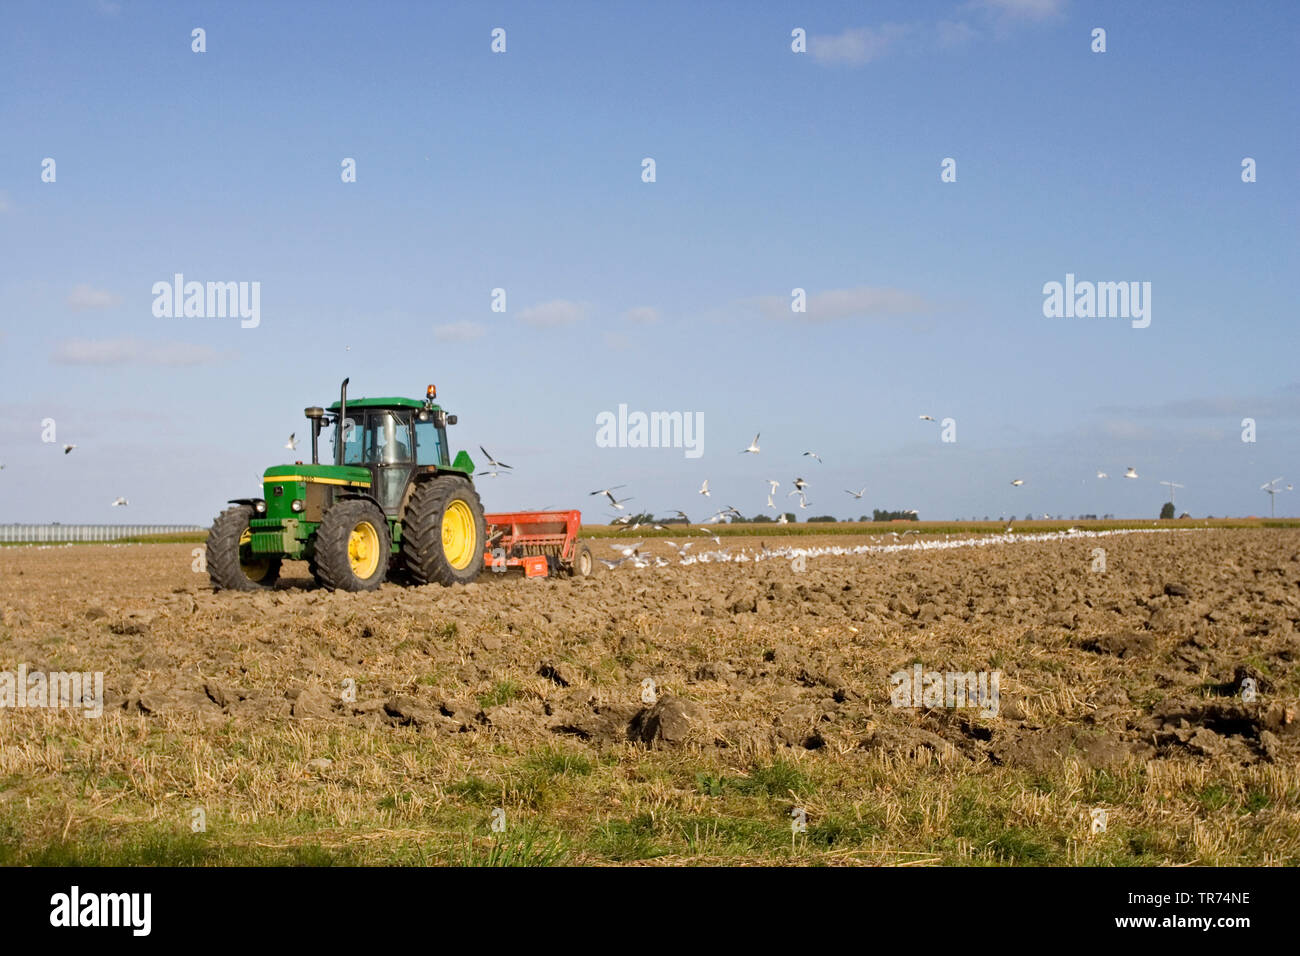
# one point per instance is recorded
(260, 507)
(298, 504)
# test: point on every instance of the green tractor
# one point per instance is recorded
(392, 502)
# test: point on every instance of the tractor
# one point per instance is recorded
(392, 503)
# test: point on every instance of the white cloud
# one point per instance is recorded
(859, 302)
(954, 33)
(643, 313)
(1022, 9)
(458, 332)
(554, 313)
(134, 352)
(856, 45)
(85, 297)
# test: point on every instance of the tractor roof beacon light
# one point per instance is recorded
(430, 394)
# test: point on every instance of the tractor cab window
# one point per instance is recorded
(373, 438)
(428, 445)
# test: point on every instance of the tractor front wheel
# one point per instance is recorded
(352, 547)
(443, 532)
(232, 566)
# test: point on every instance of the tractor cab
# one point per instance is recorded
(391, 438)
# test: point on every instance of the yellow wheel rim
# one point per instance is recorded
(458, 537)
(363, 550)
(255, 569)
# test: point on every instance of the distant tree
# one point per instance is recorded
(791, 517)
(879, 515)
(761, 519)
(821, 518)
(1167, 510)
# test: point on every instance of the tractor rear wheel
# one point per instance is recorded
(443, 532)
(352, 546)
(583, 563)
(232, 566)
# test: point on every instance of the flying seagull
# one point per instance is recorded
(1018, 482)
(773, 485)
(1102, 474)
(813, 454)
(120, 503)
(67, 449)
(292, 443)
(704, 488)
(856, 494)
(607, 491)
(770, 503)
(1131, 473)
(782, 519)
(492, 461)
(799, 485)
(927, 418)
(753, 448)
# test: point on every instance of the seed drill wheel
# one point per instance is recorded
(583, 563)
(352, 547)
(232, 566)
(443, 532)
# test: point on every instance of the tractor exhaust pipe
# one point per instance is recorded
(343, 422)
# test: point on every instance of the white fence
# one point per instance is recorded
(37, 533)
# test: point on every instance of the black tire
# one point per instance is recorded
(333, 560)
(584, 565)
(423, 548)
(230, 564)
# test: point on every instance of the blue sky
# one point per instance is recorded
(774, 170)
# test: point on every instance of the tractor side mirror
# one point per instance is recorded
(451, 419)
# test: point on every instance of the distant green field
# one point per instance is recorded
(934, 527)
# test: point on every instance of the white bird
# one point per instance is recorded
(753, 448)
(770, 503)
(492, 461)
(772, 486)
(1102, 474)
(782, 519)
(612, 564)
(803, 502)
(609, 493)
(120, 503)
(292, 443)
(67, 449)
(627, 550)
(812, 454)
(927, 418)
(492, 474)
(704, 488)
(682, 515)
(856, 494)
(1018, 482)
(1131, 473)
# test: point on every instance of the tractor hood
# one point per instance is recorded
(321, 474)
